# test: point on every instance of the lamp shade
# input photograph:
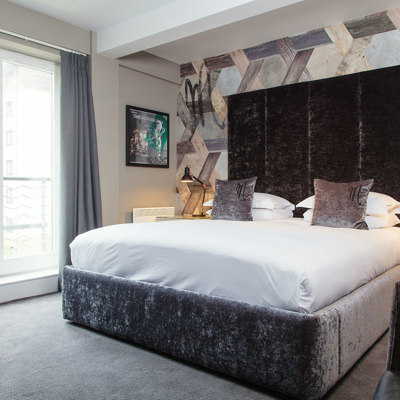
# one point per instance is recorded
(187, 177)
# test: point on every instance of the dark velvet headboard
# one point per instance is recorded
(341, 129)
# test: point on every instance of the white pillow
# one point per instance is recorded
(375, 204)
(373, 222)
(263, 200)
(392, 219)
(307, 203)
(308, 215)
(393, 210)
(387, 221)
(270, 201)
(389, 201)
(264, 214)
(376, 222)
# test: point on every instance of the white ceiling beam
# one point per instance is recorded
(178, 20)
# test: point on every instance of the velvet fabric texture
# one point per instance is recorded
(341, 205)
(341, 129)
(393, 363)
(389, 385)
(246, 144)
(302, 355)
(364, 316)
(233, 199)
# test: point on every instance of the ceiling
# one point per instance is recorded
(185, 30)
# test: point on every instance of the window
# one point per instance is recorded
(8, 222)
(9, 198)
(9, 167)
(9, 79)
(9, 138)
(9, 110)
(29, 166)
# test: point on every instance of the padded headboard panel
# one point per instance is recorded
(341, 129)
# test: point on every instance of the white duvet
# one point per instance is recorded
(286, 264)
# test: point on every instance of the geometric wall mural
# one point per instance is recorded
(359, 45)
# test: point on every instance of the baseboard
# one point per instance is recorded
(28, 285)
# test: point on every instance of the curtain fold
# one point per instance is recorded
(80, 201)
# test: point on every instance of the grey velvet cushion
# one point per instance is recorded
(233, 199)
(341, 205)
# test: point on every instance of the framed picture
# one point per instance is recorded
(147, 138)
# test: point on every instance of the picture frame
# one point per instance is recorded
(147, 138)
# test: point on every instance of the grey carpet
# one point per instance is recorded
(45, 357)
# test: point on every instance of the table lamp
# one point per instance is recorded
(188, 177)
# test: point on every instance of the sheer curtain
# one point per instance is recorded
(80, 202)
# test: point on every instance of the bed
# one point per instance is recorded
(301, 348)
(243, 261)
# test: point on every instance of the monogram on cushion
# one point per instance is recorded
(341, 205)
(233, 199)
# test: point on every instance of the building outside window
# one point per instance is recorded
(9, 198)
(9, 167)
(9, 138)
(9, 110)
(9, 222)
(9, 79)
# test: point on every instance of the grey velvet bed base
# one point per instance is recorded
(302, 355)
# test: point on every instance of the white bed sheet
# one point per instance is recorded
(286, 264)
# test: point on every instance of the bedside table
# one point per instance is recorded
(180, 217)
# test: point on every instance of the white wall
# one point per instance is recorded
(141, 80)
(29, 23)
(105, 87)
(152, 65)
(141, 186)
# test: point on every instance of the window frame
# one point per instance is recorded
(26, 264)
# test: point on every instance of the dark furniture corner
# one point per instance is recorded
(389, 385)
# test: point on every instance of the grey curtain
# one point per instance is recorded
(80, 202)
